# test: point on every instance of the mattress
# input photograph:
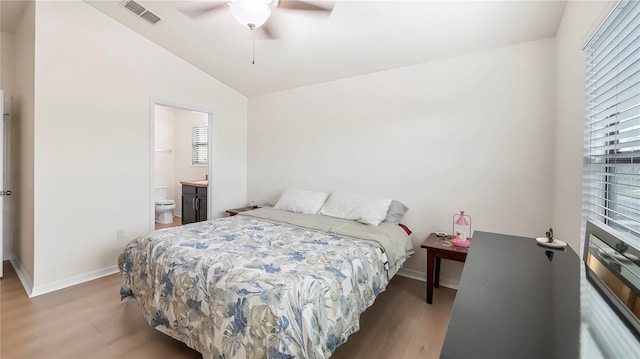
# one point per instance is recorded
(262, 284)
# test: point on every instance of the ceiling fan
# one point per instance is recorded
(254, 14)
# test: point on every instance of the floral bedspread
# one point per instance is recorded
(245, 287)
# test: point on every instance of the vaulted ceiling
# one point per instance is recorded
(356, 38)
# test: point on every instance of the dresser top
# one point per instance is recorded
(519, 299)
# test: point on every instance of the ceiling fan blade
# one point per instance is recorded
(303, 5)
(195, 13)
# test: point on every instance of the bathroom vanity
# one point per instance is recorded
(194, 201)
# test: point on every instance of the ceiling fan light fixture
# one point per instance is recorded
(251, 13)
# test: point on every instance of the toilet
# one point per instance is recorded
(164, 206)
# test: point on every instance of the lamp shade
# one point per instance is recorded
(250, 13)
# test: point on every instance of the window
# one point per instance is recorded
(611, 192)
(200, 145)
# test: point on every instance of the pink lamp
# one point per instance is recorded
(461, 229)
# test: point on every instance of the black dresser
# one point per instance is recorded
(518, 299)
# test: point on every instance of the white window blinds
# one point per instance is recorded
(611, 193)
(200, 145)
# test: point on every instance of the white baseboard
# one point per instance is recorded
(27, 283)
(449, 283)
(413, 274)
(71, 281)
(32, 291)
(422, 276)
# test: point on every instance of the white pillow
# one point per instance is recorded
(301, 201)
(362, 208)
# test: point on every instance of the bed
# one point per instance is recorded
(264, 283)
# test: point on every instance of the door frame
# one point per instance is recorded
(152, 153)
(2, 239)
(6, 201)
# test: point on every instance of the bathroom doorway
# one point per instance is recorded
(181, 149)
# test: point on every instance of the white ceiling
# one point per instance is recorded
(358, 37)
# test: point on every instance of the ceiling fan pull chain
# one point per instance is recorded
(253, 46)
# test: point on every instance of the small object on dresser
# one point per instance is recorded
(458, 241)
(549, 241)
(441, 234)
(549, 235)
(461, 226)
(555, 244)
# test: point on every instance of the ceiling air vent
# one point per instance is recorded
(134, 7)
(141, 11)
(150, 17)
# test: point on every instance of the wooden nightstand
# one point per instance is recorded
(233, 212)
(438, 248)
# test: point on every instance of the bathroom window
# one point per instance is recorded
(200, 145)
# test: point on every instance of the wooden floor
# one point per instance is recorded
(177, 221)
(89, 321)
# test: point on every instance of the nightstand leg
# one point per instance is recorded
(436, 282)
(430, 266)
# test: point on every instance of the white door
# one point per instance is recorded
(6, 206)
(2, 183)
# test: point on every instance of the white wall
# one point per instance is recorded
(22, 151)
(94, 81)
(473, 133)
(165, 142)
(579, 22)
